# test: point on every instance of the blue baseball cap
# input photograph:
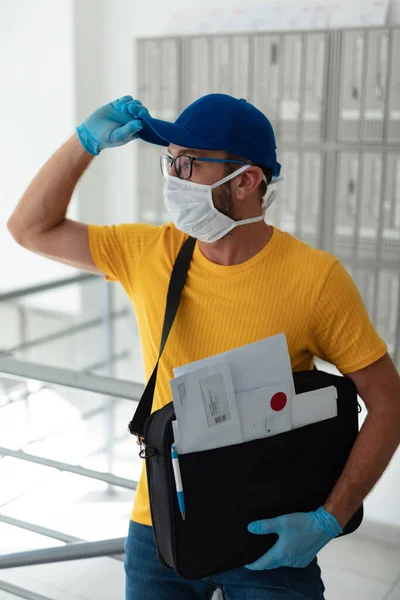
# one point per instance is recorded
(218, 122)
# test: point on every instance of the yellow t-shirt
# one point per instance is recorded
(287, 287)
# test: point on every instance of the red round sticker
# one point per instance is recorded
(278, 401)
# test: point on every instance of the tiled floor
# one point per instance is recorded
(353, 568)
(356, 568)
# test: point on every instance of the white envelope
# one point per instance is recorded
(206, 410)
(253, 365)
(314, 406)
(265, 412)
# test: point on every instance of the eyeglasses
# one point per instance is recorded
(183, 164)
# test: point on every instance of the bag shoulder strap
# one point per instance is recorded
(176, 284)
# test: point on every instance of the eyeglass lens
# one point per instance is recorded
(183, 166)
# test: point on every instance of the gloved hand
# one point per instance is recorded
(301, 537)
(114, 124)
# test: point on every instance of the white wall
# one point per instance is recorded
(37, 116)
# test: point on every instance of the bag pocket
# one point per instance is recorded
(158, 437)
(227, 488)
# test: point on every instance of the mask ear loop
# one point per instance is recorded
(230, 176)
(268, 200)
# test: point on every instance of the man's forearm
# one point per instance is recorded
(45, 202)
(374, 447)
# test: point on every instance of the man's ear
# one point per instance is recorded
(248, 182)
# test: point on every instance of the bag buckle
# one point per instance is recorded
(144, 450)
(141, 444)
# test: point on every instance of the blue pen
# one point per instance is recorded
(178, 481)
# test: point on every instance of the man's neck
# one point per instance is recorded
(239, 245)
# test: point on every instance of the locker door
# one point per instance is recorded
(347, 182)
(309, 208)
(197, 58)
(394, 91)
(375, 86)
(290, 92)
(265, 89)
(313, 87)
(241, 65)
(352, 59)
(369, 204)
(231, 65)
(159, 77)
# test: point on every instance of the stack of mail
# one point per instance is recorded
(241, 395)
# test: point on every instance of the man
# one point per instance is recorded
(247, 281)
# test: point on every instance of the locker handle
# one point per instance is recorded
(351, 187)
(274, 53)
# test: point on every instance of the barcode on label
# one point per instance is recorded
(215, 399)
(220, 419)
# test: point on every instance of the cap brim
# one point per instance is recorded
(163, 133)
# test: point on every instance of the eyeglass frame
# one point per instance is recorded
(199, 159)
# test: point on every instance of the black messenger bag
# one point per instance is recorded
(227, 488)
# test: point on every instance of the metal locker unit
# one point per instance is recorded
(216, 64)
(297, 208)
(159, 77)
(333, 98)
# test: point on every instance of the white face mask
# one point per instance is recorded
(191, 208)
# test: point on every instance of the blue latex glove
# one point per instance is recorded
(301, 537)
(114, 124)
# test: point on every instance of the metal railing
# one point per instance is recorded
(45, 287)
(74, 550)
(82, 380)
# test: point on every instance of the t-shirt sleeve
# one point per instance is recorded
(117, 250)
(341, 331)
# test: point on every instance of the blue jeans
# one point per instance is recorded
(148, 579)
